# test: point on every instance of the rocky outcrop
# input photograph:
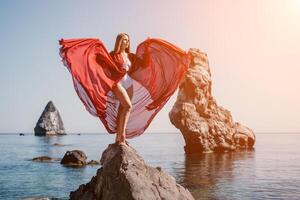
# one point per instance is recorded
(124, 175)
(205, 126)
(50, 122)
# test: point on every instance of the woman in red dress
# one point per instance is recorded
(123, 89)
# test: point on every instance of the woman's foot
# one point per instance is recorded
(121, 140)
(120, 143)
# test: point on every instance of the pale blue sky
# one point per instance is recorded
(253, 48)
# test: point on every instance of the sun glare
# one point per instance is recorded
(294, 6)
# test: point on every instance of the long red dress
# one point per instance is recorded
(157, 69)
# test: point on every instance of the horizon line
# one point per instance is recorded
(87, 133)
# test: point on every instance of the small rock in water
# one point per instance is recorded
(93, 162)
(57, 144)
(74, 158)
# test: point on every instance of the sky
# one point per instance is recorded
(253, 48)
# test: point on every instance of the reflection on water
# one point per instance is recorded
(204, 174)
(47, 143)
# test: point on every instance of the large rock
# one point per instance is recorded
(50, 122)
(205, 126)
(124, 175)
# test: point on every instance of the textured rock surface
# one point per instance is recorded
(50, 122)
(74, 158)
(124, 175)
(205, 126)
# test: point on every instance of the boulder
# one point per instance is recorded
(243, 136)
(205, 126)
(50, 122)
(124, 175)
(74, 158)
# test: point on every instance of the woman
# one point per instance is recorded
(123, 89)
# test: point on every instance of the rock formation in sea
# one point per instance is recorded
(124, 175)
(50, 122)
(205, 126)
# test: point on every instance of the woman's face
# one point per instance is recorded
(125, 41)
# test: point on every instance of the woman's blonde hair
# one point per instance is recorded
(118, 43)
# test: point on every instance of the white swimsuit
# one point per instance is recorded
(126, 81)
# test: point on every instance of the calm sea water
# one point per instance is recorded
(271, 171)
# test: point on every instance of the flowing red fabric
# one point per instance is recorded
(157, 69)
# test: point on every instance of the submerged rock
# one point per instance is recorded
(205, 126)
(124, 175)
(42, 159)
(45, 159)
(50, 122)
(57, 144)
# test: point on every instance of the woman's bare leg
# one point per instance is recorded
(130, 94)
(118, 122)
(124, 110)
(120, 125)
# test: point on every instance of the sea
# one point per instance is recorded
(269, 171)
